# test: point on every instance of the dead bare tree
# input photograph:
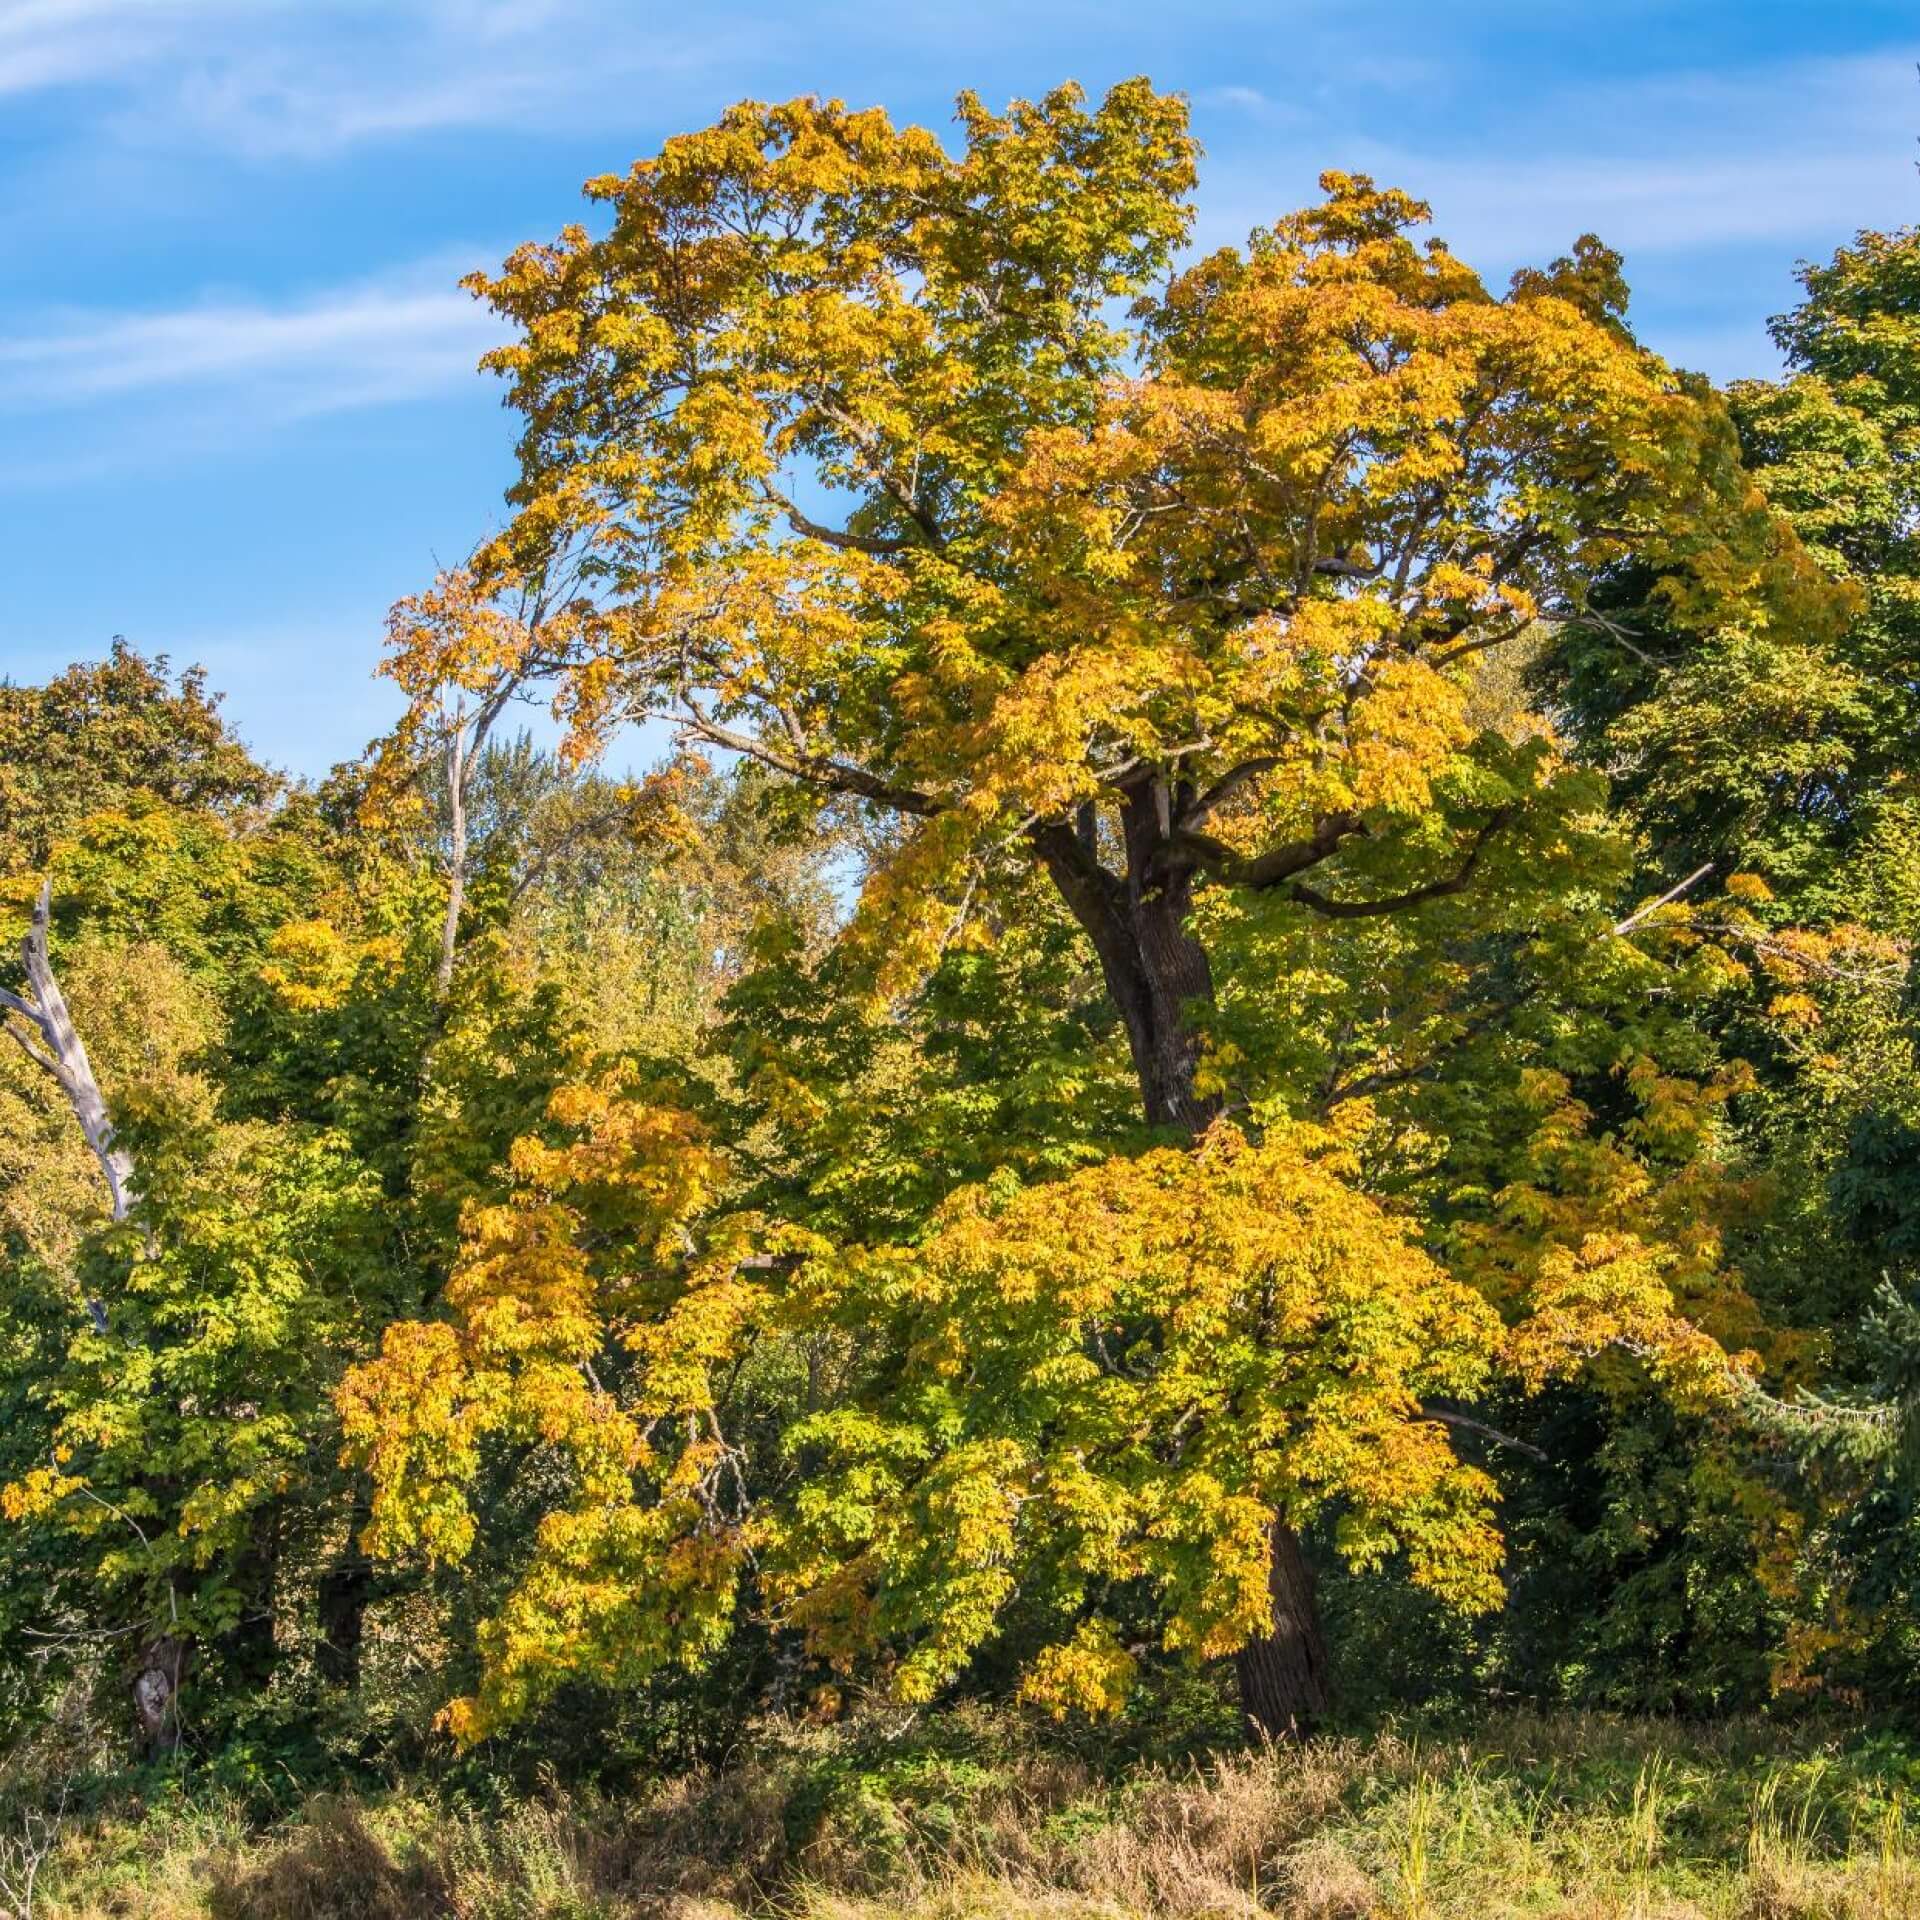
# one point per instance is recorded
(25, 1851)
(41, 1025)
(54, 1044)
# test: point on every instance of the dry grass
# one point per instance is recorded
(1571, 1818)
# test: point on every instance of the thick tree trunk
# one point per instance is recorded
(1285, 1684)
(1155, 970)
(1157, 974)
(249, 1652)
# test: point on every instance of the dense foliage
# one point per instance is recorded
(1275, 1041)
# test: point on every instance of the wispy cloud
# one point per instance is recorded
(307, 78)
(1710, 183)
(95, 391)
(1777, 153)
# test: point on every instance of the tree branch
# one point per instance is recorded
(835, 775)
(840, 537)
(1666, 899)
(1469, 1425)
(1225, 787)
(1263, 870)
(1455, 882)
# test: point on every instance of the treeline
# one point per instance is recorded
(1258, 1048)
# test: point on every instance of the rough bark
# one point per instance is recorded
(346, 1591)
(1284, 1676)
(157, 1680)
(249, 1651)
(1153, 967)
(1157, 973)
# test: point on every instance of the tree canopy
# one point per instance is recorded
(1262, 1014)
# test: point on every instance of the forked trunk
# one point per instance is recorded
(1157, 973)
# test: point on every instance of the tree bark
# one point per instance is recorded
(456, 861)
(1284, 1676)
(1157, 973)
(346, 1591)
(156, 1694)
(60, 1052)
(249, 1651)
(1153, 967)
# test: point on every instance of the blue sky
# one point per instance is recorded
(237, 397)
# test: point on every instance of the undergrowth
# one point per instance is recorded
(1573, 1816)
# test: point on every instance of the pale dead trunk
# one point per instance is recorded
(156, 1694)
(457, 860)
(54, 1044)
(59, 1050)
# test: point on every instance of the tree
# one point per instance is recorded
(1786, 752)
(103, 733)
(1787, 748)
(461, 658)
(46, 1034)
(869, 471)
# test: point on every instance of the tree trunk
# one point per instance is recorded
(346, 1591)
(248, 1653)
(60, 1052)
(1285, 1683)
(1157, 972)
(156, 1694)
(456, 860)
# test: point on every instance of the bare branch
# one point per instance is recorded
(65, 1057)
(1447, 1418)
(839, 537)
(835, 775)
(1666, 899)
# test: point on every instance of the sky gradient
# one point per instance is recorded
(236, 376)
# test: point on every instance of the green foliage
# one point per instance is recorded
(1305, 926)
(101, 734)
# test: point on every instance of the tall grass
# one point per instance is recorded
(1574, 1817)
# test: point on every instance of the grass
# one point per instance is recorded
(1576, 1817)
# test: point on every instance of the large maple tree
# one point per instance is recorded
(925, 476)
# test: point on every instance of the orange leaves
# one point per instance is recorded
(1405, 733)
(1613, 1290)
(1612, 1243)
(1091, 1674)
(455, 634)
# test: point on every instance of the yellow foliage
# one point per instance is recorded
(1132, 1373)
(1091, 1674)
(639, 1562)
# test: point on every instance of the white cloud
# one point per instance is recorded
(1791, 152)
(306, 78)
(59, 43)
(90, 394)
